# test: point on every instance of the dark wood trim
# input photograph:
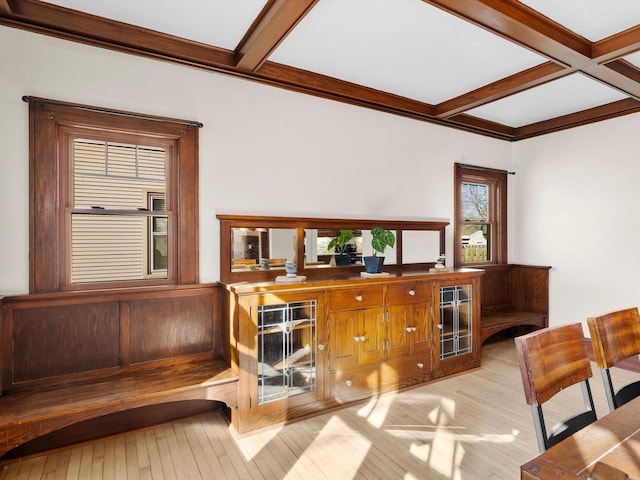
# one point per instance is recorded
(228, 222)
(497, 182)
(566, 52)
(625, 68)
(596, 114)
(274, 24)
(515, 83)
(47, 231)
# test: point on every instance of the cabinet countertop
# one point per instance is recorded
(243, 288)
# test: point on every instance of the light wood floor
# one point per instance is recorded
(475, 426)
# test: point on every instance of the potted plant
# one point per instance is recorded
(339, 245)
(380, 240)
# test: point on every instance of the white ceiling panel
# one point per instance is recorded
(221, 23)
(592, 19)
(405, 47)
(634, 58)
(570, 94)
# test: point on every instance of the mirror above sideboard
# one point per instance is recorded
(256, 248)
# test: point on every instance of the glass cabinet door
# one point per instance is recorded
(286, 350)
(456, 327)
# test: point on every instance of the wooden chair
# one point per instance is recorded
(552, 359)
(615, 336)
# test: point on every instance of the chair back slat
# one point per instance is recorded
(551, 360)
(615, 336)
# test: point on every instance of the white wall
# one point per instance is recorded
(575, 205)
(263, 150)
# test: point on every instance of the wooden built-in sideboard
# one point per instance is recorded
(301, 348)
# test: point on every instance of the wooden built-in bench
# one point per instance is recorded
(515, 299)
(72, 358)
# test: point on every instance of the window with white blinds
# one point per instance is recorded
(119, 217)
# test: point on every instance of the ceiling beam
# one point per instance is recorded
(591, 115)
(276, 21)
(617, 45)
(90, 29)
(523, 25)
(515, 83)
(510, 19)
(528, 28)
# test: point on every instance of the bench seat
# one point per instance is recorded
(499, 321)
(30, 413)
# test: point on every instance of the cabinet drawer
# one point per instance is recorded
(399, 294)
(352, 298)
(354, 384)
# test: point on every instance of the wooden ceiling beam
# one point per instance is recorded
(502, 88)
(275, 22)
(591, 115)
(90, 29)
(616, 46)
(330, 87)
(625, 68)
(522, 25)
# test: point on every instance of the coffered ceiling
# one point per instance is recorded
(502, 68)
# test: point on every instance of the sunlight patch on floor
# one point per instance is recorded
(376, 410)
(337, 436)
(251, 446)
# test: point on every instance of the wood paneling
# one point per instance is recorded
(170, 327)
(64, 337)
(62, 340)
(71, 357)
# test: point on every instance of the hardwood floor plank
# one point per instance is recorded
(469, 427)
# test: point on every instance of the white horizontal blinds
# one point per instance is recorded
(112, 232)
(116, 176)
(107, 248)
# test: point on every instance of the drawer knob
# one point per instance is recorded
(412, 292)
(321, 346)
(420, 365)
(440, 326)
(356, 339)
(413, 329)
(362, 338)
(409, 329)
(348, 383)
(358, 298)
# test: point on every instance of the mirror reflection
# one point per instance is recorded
(420, 246)
(262, 248)
(332, 247)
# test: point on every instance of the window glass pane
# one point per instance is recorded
(115, 176)
(475, 202)
(476, 243)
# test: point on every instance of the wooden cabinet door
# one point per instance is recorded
(356, 338)
(370, 335)
(343, 327)
(398, 331)
(421, 328)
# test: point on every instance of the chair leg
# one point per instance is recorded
(541, 430)
(608, 388)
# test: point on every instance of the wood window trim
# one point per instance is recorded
(46, 215)
(497, 181)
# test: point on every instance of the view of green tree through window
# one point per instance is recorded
(476, 229)
(480, 223)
